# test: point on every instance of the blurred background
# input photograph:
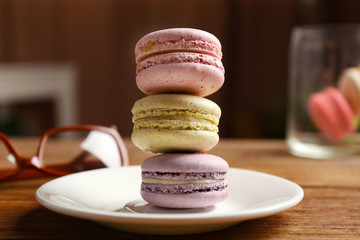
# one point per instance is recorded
(72, 61)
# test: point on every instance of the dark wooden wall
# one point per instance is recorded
(99, 38)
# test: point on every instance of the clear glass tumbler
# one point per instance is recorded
(319, 56)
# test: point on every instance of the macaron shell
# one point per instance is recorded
(193, 200)
(191, 78)
(190, 103)
(177, 162)
(349, 85)
(165, 140)
(176, 39)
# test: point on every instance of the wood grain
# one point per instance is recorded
(329, 210)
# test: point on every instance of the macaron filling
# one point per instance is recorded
(175, 119)
(177, 182)
(174, 124)
(175, 114)
(183, 188)
(183, 176)
(180, 57)
(171, 186)
(182, 182)
(158, 47)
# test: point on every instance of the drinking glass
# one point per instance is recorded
(318, 57)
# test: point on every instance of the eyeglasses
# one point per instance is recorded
(65, 150)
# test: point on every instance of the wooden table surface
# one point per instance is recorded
(330, 208)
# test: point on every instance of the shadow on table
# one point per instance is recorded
(41, 223)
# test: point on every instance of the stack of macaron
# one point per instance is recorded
(177, 68)
(334, 110)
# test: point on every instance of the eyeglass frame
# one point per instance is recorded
(23, 163)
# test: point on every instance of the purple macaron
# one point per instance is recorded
(181, 180)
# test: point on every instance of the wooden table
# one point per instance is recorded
(329, 210)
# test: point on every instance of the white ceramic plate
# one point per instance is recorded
(112, 197)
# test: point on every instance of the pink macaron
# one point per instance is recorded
(332, 114)
(179, 60)
(181, 180)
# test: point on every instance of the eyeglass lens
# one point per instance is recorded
(74, 151)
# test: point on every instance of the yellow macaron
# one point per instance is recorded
(175, 123)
